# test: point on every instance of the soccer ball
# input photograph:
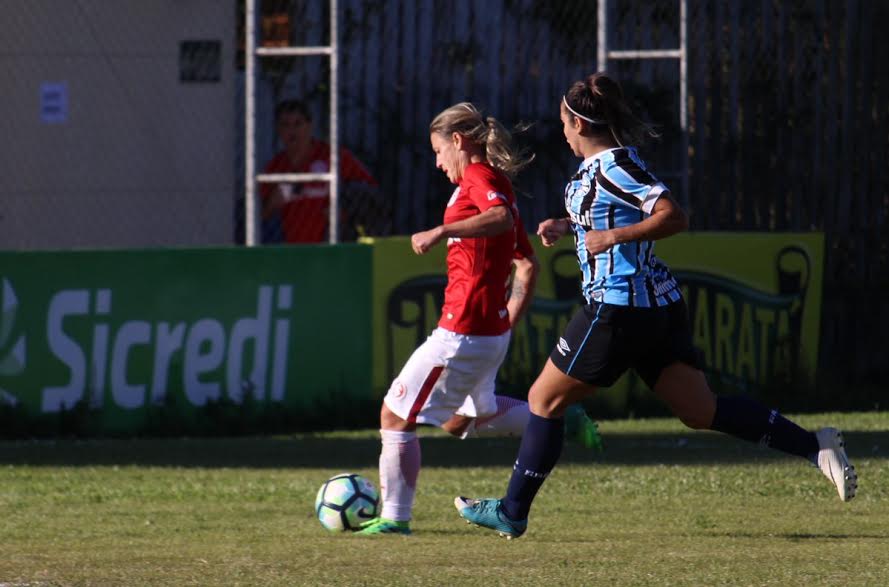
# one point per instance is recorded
(345, 501)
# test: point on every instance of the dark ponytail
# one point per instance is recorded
(599, 100)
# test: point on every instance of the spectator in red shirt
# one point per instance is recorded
(303, 208)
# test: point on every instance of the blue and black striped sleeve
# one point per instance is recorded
(626, 178)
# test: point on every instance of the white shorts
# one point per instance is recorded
(448, 374)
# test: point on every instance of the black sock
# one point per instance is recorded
(538, 454)
(745, 418)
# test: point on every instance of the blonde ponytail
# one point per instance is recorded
(466, 120)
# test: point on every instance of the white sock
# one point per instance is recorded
(510, 420)
(399, 469)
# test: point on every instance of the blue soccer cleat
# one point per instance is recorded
(487, 513)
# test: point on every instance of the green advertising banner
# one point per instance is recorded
(131, 340)
(754, 302)
(118, 334)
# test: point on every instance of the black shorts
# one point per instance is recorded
(603, 340)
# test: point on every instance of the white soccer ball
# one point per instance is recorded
(345, 501)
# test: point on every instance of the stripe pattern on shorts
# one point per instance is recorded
(425, 390)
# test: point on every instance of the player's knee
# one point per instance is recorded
(451, 429)
(457, 425)
(547, 404)
(389, 420)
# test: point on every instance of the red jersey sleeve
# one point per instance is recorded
(351, 169)
(523, 248)
(483, 187)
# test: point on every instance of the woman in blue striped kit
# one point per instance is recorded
(634, 316)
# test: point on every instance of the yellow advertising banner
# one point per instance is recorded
(754, 303)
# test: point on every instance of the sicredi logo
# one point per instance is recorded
(200, 357)
(12, 350)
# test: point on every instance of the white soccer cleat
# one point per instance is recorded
(834, 464)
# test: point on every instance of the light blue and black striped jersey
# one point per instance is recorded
(613, 189)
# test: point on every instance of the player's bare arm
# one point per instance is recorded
(552, 230)
(491, 222)
(522, 292)
(666, 219)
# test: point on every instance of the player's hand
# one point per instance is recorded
(421, 242)
(598, 241)
(552, 230)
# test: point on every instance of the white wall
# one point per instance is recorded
(142, 159)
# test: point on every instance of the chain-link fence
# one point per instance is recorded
(401, 62)
(124, 120)
(787, 129)
(117, 123)
(757, 75)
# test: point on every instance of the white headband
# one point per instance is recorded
(579, 115)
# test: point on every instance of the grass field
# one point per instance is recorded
(661, 506)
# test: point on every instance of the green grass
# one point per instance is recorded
(662, 506)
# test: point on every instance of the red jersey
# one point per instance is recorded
(479, 268)
(304, 219)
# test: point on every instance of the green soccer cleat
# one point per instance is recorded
(488, 514)
(384, 526)
(582, 430)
